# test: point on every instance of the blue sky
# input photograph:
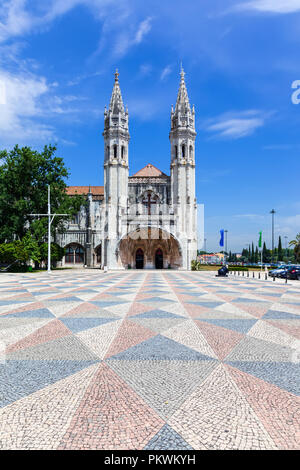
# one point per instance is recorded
(57, 60)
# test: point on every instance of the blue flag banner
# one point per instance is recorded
(222, 238)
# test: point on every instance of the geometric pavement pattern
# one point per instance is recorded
(148, 360)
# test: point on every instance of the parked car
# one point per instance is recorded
(278, 271)
(293, 273)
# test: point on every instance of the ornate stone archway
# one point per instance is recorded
(150, 241)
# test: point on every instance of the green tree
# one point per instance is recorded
(296, 244)
(280, 250)
(24, 178)
(28, 249)
(252, 253)
(57, 253)
(256, 255)
(266, 255)
(20, 250)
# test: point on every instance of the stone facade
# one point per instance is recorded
(148, 220)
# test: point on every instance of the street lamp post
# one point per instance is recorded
(273, 212)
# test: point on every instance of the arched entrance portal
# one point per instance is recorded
(149, 248)
(159, 259)
(139, 259)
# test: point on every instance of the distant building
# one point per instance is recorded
(215, 258)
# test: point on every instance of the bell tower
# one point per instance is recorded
(182, 138)
(116, 143)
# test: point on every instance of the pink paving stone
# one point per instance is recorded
(257, 311)
(60, 296)
(82, 308)
(227, 298)
(184, 297)
(53, 330)
(278, 410)
(22, 296)
(142, 296)
(292, 330)
(103, 296)
(266, 297)
(221, 340)
(25, 308)
(137, 308)
(195, 310)
(111, 416)
(129, 335)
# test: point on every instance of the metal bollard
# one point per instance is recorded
(273, 278)
(266, 277)
(243, 273)
(258, 275)
(247, 273)
(253, 274)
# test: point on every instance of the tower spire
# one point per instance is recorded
(182, 103)
(116, 102)
(182, 116)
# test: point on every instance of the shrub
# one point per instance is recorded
(57, 252)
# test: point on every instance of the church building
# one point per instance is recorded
(144, 221)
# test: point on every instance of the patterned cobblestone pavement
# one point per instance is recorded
(148, 360)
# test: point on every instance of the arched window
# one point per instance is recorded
(176, 151)
(183, 151)
(123, 152)
(139, 259)
(191, 152)
(74, 254)
(107, 152)
(159, 259)
(115, 151)
(98, 254)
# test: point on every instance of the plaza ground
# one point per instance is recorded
(148, 360)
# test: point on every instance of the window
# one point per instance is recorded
(75, 220)
(183, 151)
(98, 254)
(74, 254)
(115, 151)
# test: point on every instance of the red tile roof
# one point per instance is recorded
(83, 190)
(150, 171)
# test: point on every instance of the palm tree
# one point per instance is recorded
(296, 245)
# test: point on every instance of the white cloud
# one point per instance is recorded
(143, 29)
(166, 72)
(21, 105)
(271, 6)
(16, 19)
(126, 39)
(27, 105)
(236, 125)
